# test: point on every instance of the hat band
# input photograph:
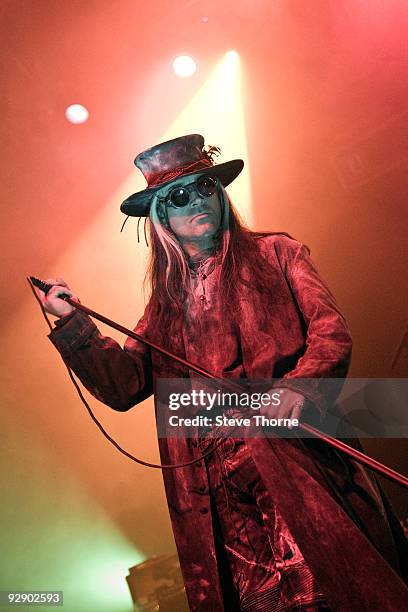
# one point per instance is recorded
(164, 177)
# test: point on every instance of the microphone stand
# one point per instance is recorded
(357, 455)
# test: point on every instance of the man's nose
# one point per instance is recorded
(195, 200)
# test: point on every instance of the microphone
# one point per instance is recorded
(46, 287)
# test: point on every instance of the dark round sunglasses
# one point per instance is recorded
(178, 197)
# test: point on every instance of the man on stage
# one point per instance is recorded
(262, 524)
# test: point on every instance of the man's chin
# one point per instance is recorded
(204, 226)
(208, 232)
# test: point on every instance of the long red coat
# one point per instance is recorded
(304, 336)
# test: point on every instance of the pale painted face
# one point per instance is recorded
(199, 220)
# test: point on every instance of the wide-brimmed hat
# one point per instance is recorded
(169, 160)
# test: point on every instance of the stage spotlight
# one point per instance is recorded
(184, 66)
(216, 110)
(76, 113)
(232, 55)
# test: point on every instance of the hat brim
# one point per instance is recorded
(138, 204)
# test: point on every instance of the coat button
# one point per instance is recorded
(199, 464)
(204, 510)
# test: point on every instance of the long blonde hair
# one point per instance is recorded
(168, 273)
(176, 259)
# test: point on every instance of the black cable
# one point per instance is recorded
(163, 466)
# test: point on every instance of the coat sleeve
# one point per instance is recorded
(117, 377)
(328, 340)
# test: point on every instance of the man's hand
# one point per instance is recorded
(51, 302)
(290, 406)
